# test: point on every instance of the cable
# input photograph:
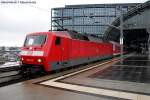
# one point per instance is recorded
(42, 9)
(39, 8)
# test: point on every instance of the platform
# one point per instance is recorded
(108, 80)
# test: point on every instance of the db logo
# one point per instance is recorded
(30, 60)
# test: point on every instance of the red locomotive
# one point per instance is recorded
(59, 49)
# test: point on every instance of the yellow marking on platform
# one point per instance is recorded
(97, 91)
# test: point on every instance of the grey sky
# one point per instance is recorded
(16, 20)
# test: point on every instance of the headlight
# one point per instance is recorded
(22, 59)
(39, 60)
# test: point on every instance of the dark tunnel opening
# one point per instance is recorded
(136, 40)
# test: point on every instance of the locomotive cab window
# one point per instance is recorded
(35, 40)
(58, 41)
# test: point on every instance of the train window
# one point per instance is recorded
(58, 41)
(35, 40)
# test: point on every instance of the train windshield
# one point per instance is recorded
(35, 40)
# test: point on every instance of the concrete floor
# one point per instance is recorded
(123, 79)
(25, 91)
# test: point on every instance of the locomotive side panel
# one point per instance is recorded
(59, 53)
(85, 51)
(76, 53)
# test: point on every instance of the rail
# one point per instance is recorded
(9, 74)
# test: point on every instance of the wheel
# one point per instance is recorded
(25, 71)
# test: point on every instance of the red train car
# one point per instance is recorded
(58, 49)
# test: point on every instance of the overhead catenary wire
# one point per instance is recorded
(38, 8)
(42, 9)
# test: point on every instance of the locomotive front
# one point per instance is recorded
(33, 52)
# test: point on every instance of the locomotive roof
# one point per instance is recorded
(72, 35)
(61, 34)
(75, 35)
(57, 33)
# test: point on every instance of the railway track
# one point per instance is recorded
(9, 75)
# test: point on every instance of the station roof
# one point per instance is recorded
(134, 11)
(100, 5)
(97, 5)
